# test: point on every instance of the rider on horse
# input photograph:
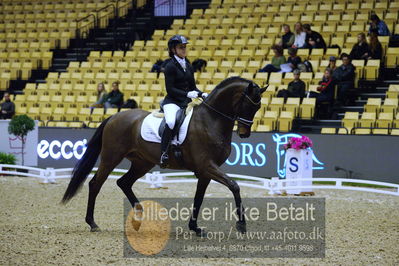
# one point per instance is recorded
(180, 88)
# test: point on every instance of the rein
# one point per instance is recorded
(235, 117)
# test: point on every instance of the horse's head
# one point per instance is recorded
(236, 99)
(248, 104)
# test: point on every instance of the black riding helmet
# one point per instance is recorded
(175, 40)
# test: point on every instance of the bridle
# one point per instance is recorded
(237, 118)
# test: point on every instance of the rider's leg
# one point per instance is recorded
(170, 111)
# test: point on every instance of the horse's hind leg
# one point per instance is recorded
(95, 185)
(137, 170)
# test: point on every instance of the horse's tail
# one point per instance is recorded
(84, 166)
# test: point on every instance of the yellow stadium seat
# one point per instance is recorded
(331, 52)
(380, 131)
(285, 121)
(56, 99)
(5, 78)
(316, 54)
(276, 104)
(392, 55)
(292, 105)
(58, 114)
(34, 112)
(263, 128)
(110, 111)
(270, 119)
(288, 77)
(61, 124)
(219, 77)
(328, 130)
(97, 115)
(275, 78)
(45, 113)
(373, 105)
(350, 120)
(362, 131)
(385, 120)
(84, 114)
(71, 114)
(307, 108)
(371, 69)
(390, 105)
(393, 91)
(75, 124)
(367, 120)
(254, 65)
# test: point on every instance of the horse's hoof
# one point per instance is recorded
(95, 229)
(241, 227)
(136, 224)
(137, 217)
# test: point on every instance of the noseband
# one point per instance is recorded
(237, 118)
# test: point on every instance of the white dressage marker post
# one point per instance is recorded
(298, 165)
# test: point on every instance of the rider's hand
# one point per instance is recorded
(204, 95)
(192, 94)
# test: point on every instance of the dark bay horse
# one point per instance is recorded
(205, 149)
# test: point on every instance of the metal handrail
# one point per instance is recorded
(96, 17)
(104, 8)
(82, 19)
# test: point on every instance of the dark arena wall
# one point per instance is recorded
(341, 156)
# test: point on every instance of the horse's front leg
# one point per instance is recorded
(202, 184)
(213, 172)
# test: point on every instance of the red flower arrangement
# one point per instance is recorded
(299, 143)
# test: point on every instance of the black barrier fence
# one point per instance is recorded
(263, 154)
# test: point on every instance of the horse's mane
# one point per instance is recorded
(230, 79)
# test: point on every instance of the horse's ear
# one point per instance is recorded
(250, 88)
(262, 90)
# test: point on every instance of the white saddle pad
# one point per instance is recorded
(150, 126)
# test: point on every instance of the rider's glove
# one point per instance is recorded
(204, 95)
(192, 94)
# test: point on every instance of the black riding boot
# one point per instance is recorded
(166, 138)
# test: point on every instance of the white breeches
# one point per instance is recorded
(170, 111)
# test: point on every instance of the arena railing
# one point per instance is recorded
(157, 179)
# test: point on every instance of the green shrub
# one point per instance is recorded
(6, 158)
(20, 125)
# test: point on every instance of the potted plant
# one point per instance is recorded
(20, 126)
(299, 162)
(299, 143)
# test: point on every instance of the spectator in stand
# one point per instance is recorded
(378, 26)
(361, 48)
(326, 88)
(114, 99)
(344, 75)
(375, 47)
(7, 108)
(313, 39)
(300, 36)
(293, 60)
(277, 60)
(287, 40)
(101, 97)
(296, 88)
(332, 64)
